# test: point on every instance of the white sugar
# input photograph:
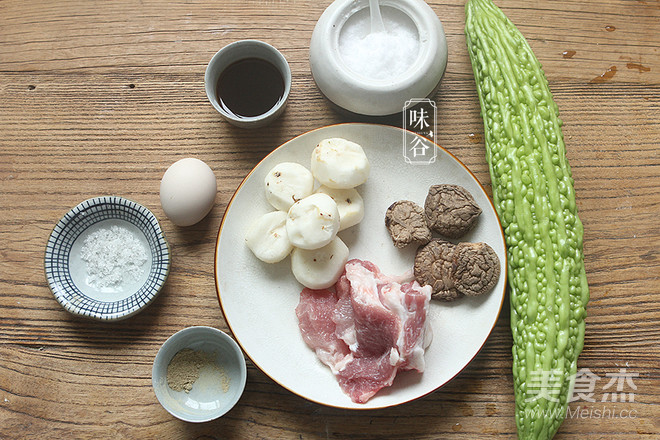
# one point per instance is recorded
(379, 55)
(113, 256)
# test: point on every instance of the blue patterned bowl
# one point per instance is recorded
(76, 260)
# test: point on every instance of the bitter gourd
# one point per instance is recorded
(535, 200)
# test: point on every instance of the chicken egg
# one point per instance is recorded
(187, 191)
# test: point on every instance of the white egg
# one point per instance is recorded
(267, 238)
(349, 204)
(339, 163)
(286, 183)
(319, 268)
(187, 191)
(313, 221)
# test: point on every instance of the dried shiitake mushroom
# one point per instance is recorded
(434, 267)
(476, 268)
(406, 223)
(450, 210)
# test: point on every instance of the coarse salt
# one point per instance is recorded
(379, 55)
(113, 256)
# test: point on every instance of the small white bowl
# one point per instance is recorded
(377, 97)
(236, 51)
(207, 400)
(66, 272)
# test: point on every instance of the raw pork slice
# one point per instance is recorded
(369, 328)
(314, 313)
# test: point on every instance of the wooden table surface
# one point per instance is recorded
(99, 98)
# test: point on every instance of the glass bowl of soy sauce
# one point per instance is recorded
(248, 83)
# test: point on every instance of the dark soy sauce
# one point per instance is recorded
(250, 87)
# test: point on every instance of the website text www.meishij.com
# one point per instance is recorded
(584, 412)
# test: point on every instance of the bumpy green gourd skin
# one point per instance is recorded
(534, 198)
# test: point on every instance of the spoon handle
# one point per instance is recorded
(376, 19)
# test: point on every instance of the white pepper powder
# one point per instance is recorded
(185, 367)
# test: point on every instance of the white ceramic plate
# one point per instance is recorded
(258, 299)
